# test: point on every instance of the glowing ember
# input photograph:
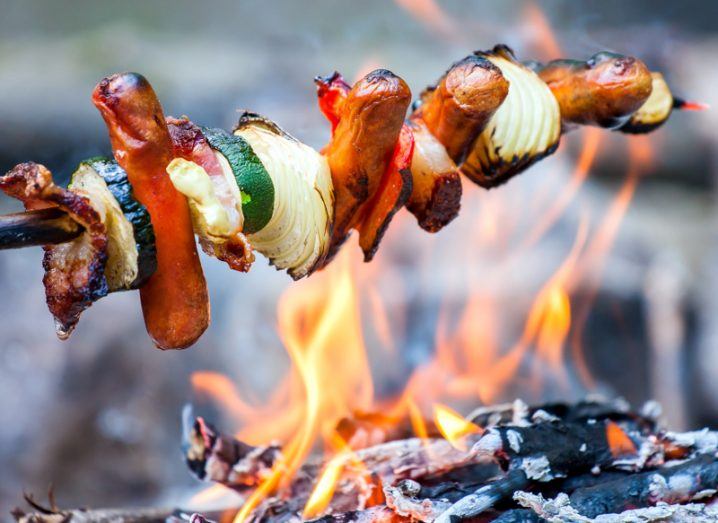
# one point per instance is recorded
(618, 441)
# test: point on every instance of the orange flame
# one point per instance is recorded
(418, 424)
(453, 426)
(324, 489)
(321, 328)
(542, 34)
(320, 322)
(640, 158)
(430, 14)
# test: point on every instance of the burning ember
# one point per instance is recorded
(553, 462)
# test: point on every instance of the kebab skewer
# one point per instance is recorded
(259, 188)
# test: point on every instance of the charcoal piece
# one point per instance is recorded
(588, 409)
(216, 457)
(546, 451)
(378, 514)
(519, 515)
(485, 497)
(687, 481)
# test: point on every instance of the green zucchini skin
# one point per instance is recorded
(136, 213)
(254, 182)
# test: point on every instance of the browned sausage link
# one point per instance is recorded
(436, 189)
(603, 91)
(362, 144)
(458, 108)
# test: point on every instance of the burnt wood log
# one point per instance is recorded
(519, 515)
(590, 409)
(212, 456)
(378, 514)
(485, 498)
(560, 510)
(688, 481)
(123, 515)
(546, 451)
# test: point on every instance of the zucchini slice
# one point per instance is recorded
(524, 129)
(255, 184)
(296, 237)
(131, 251)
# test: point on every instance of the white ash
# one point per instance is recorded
(559, 510)
(487, 446)
(650, 453)
(520, 417)
(494, 412)
(541, 416)
(701, 441)
(475, 503)
(538, 469)
(402, 500)
(515, 440)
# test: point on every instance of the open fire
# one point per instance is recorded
(326, 404)
(337, 435)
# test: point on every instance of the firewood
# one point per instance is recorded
(122, 515)
(224, 459)
(379, 514)
(688, 481)
(592, 408)
(485, 498)
(560, 510)
(546, 451)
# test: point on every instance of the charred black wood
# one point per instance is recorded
(471, 474)
(590, 409)
(485, 497)
(124, 515)
(572, 483)
(378, 514)
(687, 481)
(223, 459)
(519, 515)
(550, 450)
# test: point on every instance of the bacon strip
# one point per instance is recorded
(75, 270)
(190, 144)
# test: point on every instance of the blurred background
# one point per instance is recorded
(598, 267)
